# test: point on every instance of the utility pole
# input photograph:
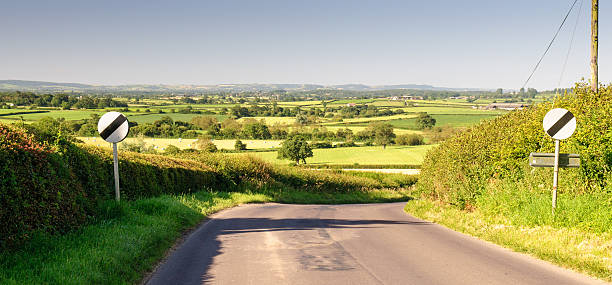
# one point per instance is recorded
(594, 43)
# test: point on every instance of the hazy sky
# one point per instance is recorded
(469, 43)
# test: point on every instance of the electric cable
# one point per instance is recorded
(550, 44)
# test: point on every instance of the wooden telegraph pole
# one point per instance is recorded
(594, 44)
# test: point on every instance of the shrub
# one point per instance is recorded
(409, 139)
(346, 144)
(438, 134)
(321, 145)
(171, 149)
(205, 144)
(239, 145)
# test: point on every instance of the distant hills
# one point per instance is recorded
(42, 86)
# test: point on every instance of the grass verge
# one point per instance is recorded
(578, 249)
(127, 239)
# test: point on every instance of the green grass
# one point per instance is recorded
(361, 155)
(272, 120)
(453, 120)
(359, 128)
(447, 109)
(129, 238)
(150, 118)
(162, 143)
(579, 249)
(66, 114)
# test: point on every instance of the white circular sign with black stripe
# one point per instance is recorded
(113, 127)
(559, 123)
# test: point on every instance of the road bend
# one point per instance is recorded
(344, 244)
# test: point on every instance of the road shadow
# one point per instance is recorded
(191, 262)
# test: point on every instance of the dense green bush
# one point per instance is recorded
(484, 159)
(409, 139)
(321, 145)
(37, 189)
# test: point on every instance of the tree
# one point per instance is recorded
(382, 132)
(256, 130)
(239, 145)
(205, 144)
(425, 121)
(301, 119)
(296, 149)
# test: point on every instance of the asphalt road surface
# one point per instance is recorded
(344, 244)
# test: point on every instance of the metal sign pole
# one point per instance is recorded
(116, 171)
(555, 177)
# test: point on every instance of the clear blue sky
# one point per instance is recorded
(471, 43)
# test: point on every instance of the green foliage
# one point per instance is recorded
(410, 139)
(239, 145)
(321, 145)
(349, 143)
(129, 238)
(469, 169)
(382, 133)
(172, 150)
(205, 144)
(295, 149)
(256, 130)
(49, 184)
(425, 121)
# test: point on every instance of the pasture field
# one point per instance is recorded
(356, 101)
(450, 110)
(150, 118)
(359, 128)
(300, 103)
(270, 121)
(453, 120)
(372, 119)
(11, 111)
(373, 155)
(66, 114)
(161, 144)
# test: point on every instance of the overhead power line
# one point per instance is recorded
(571, 43)
(550, 44)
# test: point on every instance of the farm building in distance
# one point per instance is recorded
(505, 106)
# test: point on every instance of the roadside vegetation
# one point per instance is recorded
(60, 224)
(480, 182)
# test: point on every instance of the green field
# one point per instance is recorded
(272, 120)
(444, 120)
(66, 114)
(161, 144)
(150, 118)
(375, 155)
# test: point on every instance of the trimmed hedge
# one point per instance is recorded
(54, 188)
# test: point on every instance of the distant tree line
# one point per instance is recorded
(63, 101)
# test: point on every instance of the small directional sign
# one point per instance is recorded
(548, 160)
(113, 127)
(559, 123)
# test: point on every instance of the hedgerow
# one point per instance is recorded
(48, 183)
(493, 154)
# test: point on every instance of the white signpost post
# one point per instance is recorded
(559, 124)
(113, 127)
